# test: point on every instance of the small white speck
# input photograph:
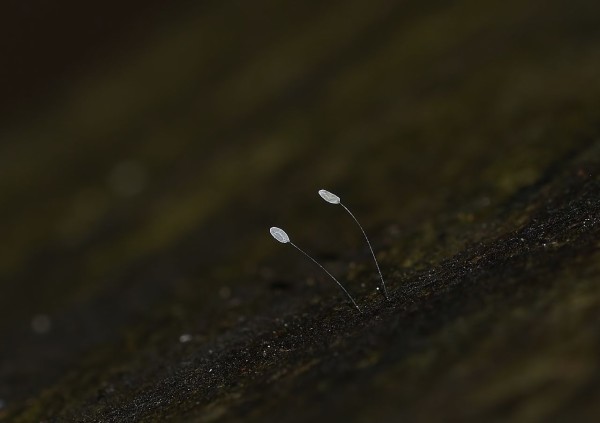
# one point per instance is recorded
(225, 292)
(186, 337)
(41, 324)
(127, 178)
(210, 371)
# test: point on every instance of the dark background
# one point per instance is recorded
(146, 148)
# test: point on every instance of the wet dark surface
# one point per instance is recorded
(139, 281)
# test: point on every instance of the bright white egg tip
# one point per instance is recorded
(279, 234)
(329, 196)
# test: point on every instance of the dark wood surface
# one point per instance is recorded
(145, 151)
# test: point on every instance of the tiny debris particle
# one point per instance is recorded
(41, 324)
(186, 337)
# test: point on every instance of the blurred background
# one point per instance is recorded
(147, 146)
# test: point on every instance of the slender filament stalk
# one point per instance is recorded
(330, 275)
(370, 248)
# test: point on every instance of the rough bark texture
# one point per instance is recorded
(138, 278)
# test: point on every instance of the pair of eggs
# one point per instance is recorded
(281, 236)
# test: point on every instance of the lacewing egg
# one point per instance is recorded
(329, 197)
(280, 235)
